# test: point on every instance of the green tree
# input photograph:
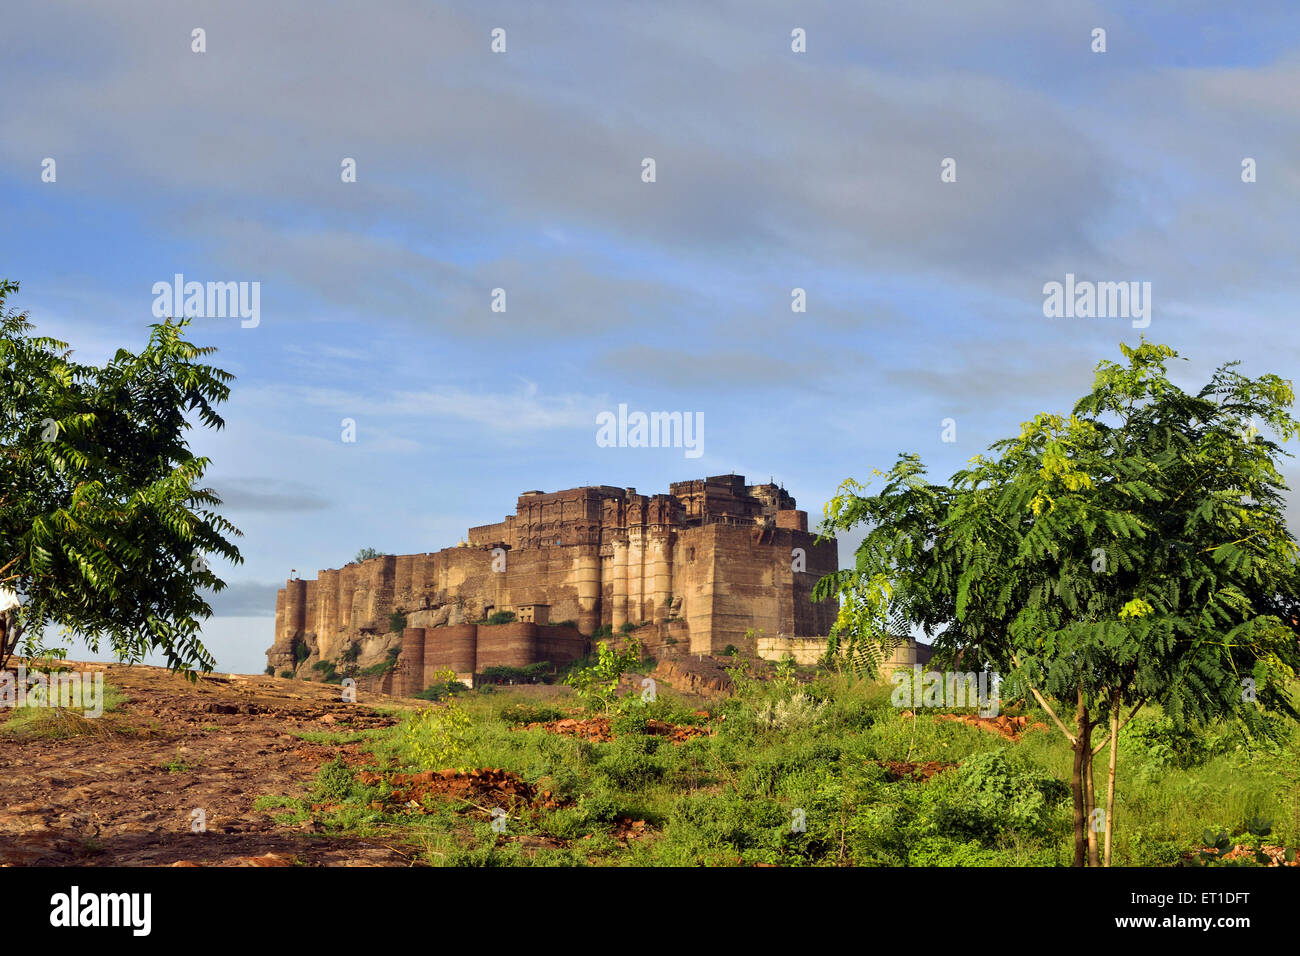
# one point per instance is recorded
(597, 684)
(1135, 552)
(104, 531)
(365, 554)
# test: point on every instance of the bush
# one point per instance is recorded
(945, 851)
(441, 690)
(712, 829)
(629, 763)
(336, 783)
(270, 670)
(444, 686)
(1160, 742)
(286, 673)
(519, 714)
(436, 736)
(301, 651)
(798, 711)
(989, 795)
(597, 685)
(786, 667)
(382, 667)
(396, 622)
(631, 714)
(537, 673)
(501, 617)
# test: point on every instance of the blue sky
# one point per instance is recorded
(522, 171)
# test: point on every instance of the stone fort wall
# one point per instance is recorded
(704, 564)
(469, 649)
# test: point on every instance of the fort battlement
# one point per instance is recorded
(713, 560)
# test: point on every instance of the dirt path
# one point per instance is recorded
(125, 794)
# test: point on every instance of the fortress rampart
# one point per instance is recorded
(705, 564)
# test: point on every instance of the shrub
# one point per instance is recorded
(286, 673)
(629, 763)
(444, 685)
(708, 828)
(597, 684)
(336, 783)
(536, 673)
(518, 714)
(797, 711)
(945, 851)
(301, 651)
(786, 667)
(501, 617)
(436, 736)
(441, 690)
(1160, 742)
(631, 714)
(988, 795)
(382, 667)
(396, 622)
(539, 672)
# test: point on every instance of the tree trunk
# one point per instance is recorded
(1110, 777)
(1076, 787)
(1094, 859)
(1086, 783)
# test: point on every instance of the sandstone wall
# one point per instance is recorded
(810, 650)
(468, 649)
(703, 564)
(735, 577)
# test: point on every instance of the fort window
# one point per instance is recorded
(533, 613)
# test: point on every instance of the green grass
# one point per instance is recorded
(180, 765)
(735, 797)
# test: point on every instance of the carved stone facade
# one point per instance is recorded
(702, 565)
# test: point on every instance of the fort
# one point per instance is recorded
(714, 563)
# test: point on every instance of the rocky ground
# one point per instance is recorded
(125, 792)
(600, 728)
